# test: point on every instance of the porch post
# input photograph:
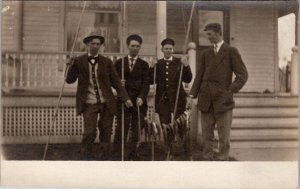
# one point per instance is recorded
(194, 119)
(294, 71)
(161, 25)
(18, 35)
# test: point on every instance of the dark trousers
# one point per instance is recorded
(164, 111)
(90, 118)
(130, 122)
(223, 121)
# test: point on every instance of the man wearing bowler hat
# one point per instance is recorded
(96, 75)
(214, 87)
(167, 80)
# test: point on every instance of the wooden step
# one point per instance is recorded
(262, 132)
(274, 122)
(263, 112)
(265, 101)
(263, 141)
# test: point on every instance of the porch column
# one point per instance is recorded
(161, 25)
(195, 127)
(18, 35)
(294, 71)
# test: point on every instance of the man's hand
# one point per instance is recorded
(184, 61)
(128, 104)
(153, 62)
(189, 102)
(70, 61)
(139, 102)
(123, 82)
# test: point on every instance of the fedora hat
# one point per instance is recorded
(93, 35)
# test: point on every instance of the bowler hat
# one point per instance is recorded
(213, 26)
(167, 41)
(93, 35)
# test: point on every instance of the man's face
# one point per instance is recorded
(212, 36)
(94, 46)
(134, 48)
(168, 50)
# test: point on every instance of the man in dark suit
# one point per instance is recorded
(167, 78)
(214, 87)
(96, 75)
(136, 76)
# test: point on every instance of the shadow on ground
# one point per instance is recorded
(65, 152)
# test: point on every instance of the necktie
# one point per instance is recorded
(131, 64)
(215, 49)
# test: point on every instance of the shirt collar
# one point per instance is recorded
(134, 58)
(219, 44)
(168, 59)
(89, 54)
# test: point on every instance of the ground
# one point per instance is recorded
(62, 152)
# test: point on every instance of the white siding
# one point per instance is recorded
(141, 17)
(8, 25)
(254, 32)
(41, 30)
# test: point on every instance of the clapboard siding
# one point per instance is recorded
(141, 18)
(177, 22)
(253, 32)
(41, 26)
(8, 25)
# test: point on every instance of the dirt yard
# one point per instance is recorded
(65, 152)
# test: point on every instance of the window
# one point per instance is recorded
(206, 17)
(97, 17)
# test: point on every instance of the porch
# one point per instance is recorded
(31, 83)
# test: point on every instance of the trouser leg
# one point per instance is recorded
(90, 116)
(105, 128)
(118, 133)
(224, 126)
(208, 124)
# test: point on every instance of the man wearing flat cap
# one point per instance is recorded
(96, 75)
(136, 76)
(214, 87)
(167, 79)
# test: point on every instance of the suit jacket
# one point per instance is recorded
(107, 78)
(168, 83)
(213, 83)
(136, 81)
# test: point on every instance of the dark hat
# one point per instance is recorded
(213, 26)
(134, 37)
(93, 35)
(167, 41)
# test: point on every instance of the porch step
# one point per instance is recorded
(265, 101)
(265, 112)
(265, 141)
(260, 133)
(263, 123)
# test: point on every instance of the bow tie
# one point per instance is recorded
(92, 60)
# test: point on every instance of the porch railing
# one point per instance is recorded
(39, 70)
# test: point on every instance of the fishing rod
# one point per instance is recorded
(63, 85)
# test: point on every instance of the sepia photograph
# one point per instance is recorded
(149, 94)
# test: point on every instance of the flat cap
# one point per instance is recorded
(92, 36)
(167, 41)
(213, 26)
(134, 37)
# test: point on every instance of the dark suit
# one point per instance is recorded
(214, 87)
(167, 78)
(107, 77)
(137, 86)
